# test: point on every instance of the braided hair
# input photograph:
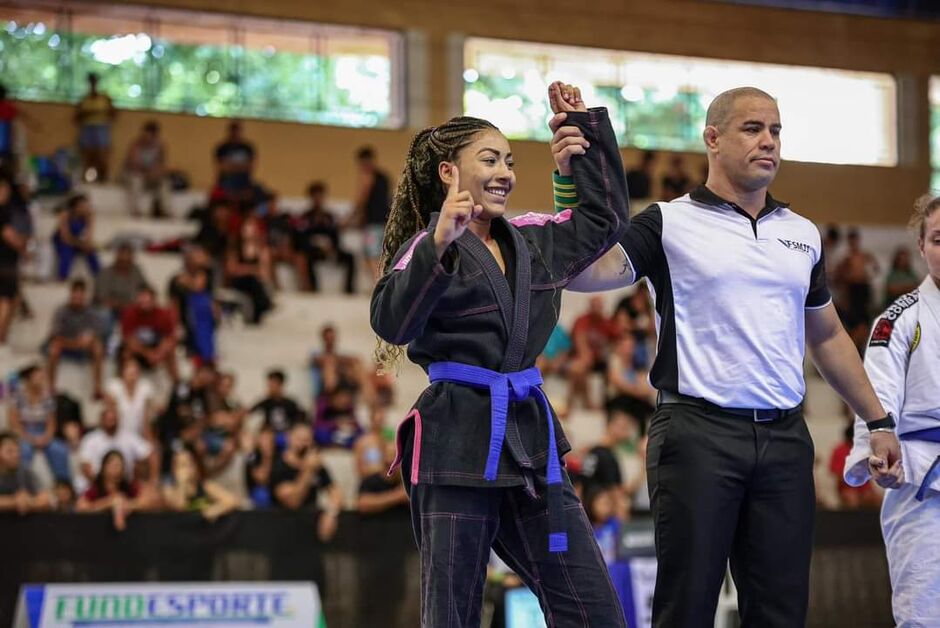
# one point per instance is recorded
(420, 192)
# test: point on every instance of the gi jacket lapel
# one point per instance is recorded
(930, 297)
(514, 309)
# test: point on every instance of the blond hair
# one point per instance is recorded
(924, 207)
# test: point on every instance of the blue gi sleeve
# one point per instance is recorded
(404, 298)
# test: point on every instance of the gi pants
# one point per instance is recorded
(911, 529)
(455, 527)
(725, 486)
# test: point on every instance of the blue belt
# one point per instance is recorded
(506, 387)
(932, 435)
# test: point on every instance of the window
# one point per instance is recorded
(205, 64)
(659, 101)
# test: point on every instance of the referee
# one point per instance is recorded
(740, 288)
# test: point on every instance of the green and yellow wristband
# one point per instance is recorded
(565, 194)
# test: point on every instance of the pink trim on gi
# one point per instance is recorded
(406, 258)
(540, 219)
(416, 452)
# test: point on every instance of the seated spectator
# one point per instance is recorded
(901, 278)
(12, 246)
(186, 413)
(592, 336)
(145, 172)
(191, 294)
(76, 333)
(248, 269)
(113, 490)
(69, 427)
(260, 460)
(378, 491)
(33, 419)
(214, 232)
(19, 488)
(338, 380)
(221, 452)
(134, 398)
(297, 477)
(279, 231)
(851, 497)
(612, 463)
(189, 491)
(117, 286)
(148, 333)
(623, 376)
(317, 239)
(235, 162)
(280, 411)
(280, 414)
(138, 459)
(74, 236)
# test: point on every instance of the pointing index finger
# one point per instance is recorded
(454, 186)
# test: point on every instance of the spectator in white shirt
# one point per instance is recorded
(141, 460)
(134, 399)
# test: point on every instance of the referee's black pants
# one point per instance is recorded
(722, 486)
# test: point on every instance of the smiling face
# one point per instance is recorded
(745, 146)
(486, 171)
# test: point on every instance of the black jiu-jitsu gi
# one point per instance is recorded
(477, 448)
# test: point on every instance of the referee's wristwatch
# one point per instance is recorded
(887, 424)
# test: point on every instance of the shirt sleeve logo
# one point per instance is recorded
(881, 334)
(794, 245)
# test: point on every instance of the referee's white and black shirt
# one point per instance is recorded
(731, 294)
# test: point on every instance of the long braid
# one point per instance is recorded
(420, 192)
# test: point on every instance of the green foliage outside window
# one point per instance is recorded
(41, 63)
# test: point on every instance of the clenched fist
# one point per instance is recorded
(567, 141)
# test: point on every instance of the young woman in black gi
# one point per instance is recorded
(475, 296)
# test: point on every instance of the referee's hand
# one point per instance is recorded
(885, 460)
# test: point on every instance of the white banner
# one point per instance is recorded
(218, 604)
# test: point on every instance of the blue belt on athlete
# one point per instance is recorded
(931, 435)
(504, 388)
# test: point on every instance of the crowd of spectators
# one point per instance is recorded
(166, 435)
(198, 447)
